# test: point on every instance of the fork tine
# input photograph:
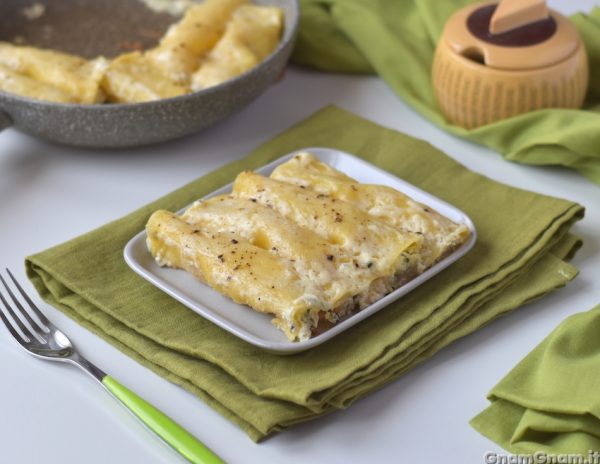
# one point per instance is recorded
(26, 332)
(11, 329)
(44, 322)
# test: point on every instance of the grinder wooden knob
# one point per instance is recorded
(496, 61)
(511, 14)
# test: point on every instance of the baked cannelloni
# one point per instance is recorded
(308, 245)
(179, 53)
(62, 77)
(441, 236)
(251, 35)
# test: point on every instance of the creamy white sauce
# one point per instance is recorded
(34, 11)
(172, 7)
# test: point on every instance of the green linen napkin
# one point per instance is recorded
(519, 233)
(397, 38)
(549, 403)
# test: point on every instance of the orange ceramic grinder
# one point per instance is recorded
(498, 60)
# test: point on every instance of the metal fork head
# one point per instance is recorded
(30, 328)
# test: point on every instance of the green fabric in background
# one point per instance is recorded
(523, 241)
(549, 402)
(397, 38)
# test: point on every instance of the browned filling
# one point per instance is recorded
(357, 304)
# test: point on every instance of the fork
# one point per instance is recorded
(44, 340)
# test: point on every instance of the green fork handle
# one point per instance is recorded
(172, 433)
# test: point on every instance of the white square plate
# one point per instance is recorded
(255, 327)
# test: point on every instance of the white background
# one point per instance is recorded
(56, 414)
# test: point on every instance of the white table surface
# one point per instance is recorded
(56, 414)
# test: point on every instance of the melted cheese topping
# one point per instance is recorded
(251, 36)
(59, 73)
(304, 245)
(14, 82)
(134, 78)
(441, 236)
(179, 52)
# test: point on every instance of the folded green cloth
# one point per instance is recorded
(550, 401)
(397, 38)
(519, 233)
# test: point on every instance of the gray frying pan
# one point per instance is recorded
(108, 27)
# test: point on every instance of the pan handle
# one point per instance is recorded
(5, 120)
